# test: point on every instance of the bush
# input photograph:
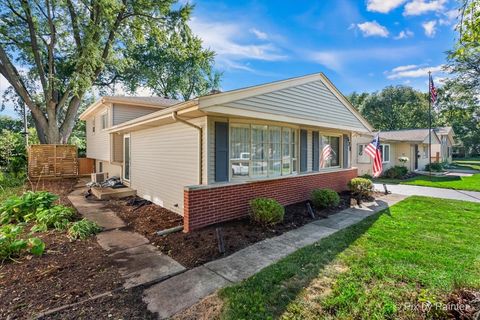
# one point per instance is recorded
(367, 176)
(23, 208)
(361, 187)
(11, 245)
(266, 211)
(57, 217)
(83, 229)
(396, 172)
(325, 198)
(437, 167)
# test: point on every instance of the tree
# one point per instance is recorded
(393, 108)
(177, 68)
(10, 124)
(53, 51)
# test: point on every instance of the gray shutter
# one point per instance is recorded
(315, 153)
(221, 151)
(346, 151)
(303, 150)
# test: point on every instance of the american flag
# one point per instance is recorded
(433, 91)
(374, 151)
(326, 154)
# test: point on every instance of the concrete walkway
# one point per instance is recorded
(182, 291)
(409, 190)
(139, 262)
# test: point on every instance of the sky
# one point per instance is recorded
(361, 45)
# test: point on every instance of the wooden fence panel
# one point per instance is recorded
(52, 160)
(86, 166)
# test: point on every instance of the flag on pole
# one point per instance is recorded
(433, 90)
(326, 154)
(374, 151)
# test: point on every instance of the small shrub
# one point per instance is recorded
(437, 167)
(23, 208)
(12, 245)
(325, 198)
(57, 217)
(266, 211)
(361, 187)
(396, 172)
(83, 229)
(367, 176)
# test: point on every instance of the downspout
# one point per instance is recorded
(200, 143)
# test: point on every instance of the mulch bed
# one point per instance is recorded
(68, 272)
(464, 304)
(200, 246)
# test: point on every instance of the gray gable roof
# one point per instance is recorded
(414, 135)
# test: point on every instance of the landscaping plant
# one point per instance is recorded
(23, 208)
(57, 217)
(361, 188)
(436, 166)
(325, 198)
(396, 172)
(12, 245)
(266, 211)
(83, 229)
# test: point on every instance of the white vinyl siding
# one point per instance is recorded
(124, 113)
(98, 142)
(164, 160)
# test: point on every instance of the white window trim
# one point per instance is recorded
(94, 127)
(340, 149)
(105, 113)
(389, 153)
(358, 156)
(127, 135)
(294, 171)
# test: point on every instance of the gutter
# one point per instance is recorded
(200, 143)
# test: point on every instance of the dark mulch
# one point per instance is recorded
(200, 246)
(464, 304)
(61, 187)
(119, 305)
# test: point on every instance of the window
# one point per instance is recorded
(104, 121)
(385, 152)
(93, 125)
(425, 152)
(362, 156)
(100, 166)
(261, 151)
(329, 151)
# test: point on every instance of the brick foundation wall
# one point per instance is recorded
(209, 205)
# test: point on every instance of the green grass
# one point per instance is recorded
(418, 250)
(468, 163)
(449, 182)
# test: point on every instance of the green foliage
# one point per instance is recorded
(57, 217)
(396, 172)
(13, 245)
(367, 176)
(325, 198)
(83, 229)
(449, 182)
(23, 208)
(266, 211)
(361, 187)
(436, 166)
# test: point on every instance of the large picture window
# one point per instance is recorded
(261, 151)
(362, 156)
(329, 151)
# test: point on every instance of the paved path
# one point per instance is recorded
(139, 262)
(409, 190)
(184, 290)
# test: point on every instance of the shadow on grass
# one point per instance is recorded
(268, 293)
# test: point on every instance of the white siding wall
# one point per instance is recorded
(98, 142)
(123, 113)
(164, 161)
(110, 168)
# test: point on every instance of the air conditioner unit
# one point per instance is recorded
(99, 177)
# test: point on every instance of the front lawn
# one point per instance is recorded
(449, 182)
(468, 163)
(419, 250)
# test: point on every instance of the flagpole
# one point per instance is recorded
(429, 124)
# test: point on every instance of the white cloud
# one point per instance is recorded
(404, 34)
(331, 60)
(372, 28)
(231, 44)
(430, 28)
(419, 7)
(383, 6)
(412, 71)
(259, 34)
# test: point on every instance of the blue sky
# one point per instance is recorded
(360, 45)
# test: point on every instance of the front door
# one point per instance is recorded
(126, 157)
(415, 154)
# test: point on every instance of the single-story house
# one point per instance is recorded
(411, 144)
(206, 158)
(444, 150)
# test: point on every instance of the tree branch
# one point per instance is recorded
(74, 19)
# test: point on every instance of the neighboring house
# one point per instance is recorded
(445, 148)
(412, 144)
(206, 158)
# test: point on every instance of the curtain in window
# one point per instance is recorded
(275, 151)
(259, 151)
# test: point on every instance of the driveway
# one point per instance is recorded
(408, 190)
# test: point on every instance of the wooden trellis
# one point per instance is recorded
(52, 160)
